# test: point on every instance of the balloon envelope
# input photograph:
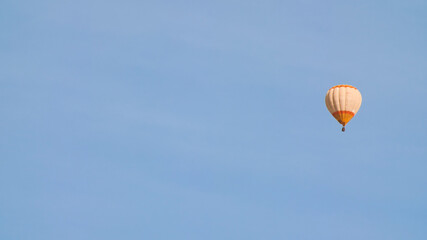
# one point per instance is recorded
(343, 102)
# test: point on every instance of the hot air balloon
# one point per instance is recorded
(343, 102)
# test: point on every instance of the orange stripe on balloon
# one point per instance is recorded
(343, 85)
(341, 112)
(343, 117)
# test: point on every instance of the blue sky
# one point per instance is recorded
(206, 120)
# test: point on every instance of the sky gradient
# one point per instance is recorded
(206, 120)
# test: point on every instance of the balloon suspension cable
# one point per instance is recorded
(343, 129)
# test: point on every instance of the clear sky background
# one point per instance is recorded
(206, 120)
